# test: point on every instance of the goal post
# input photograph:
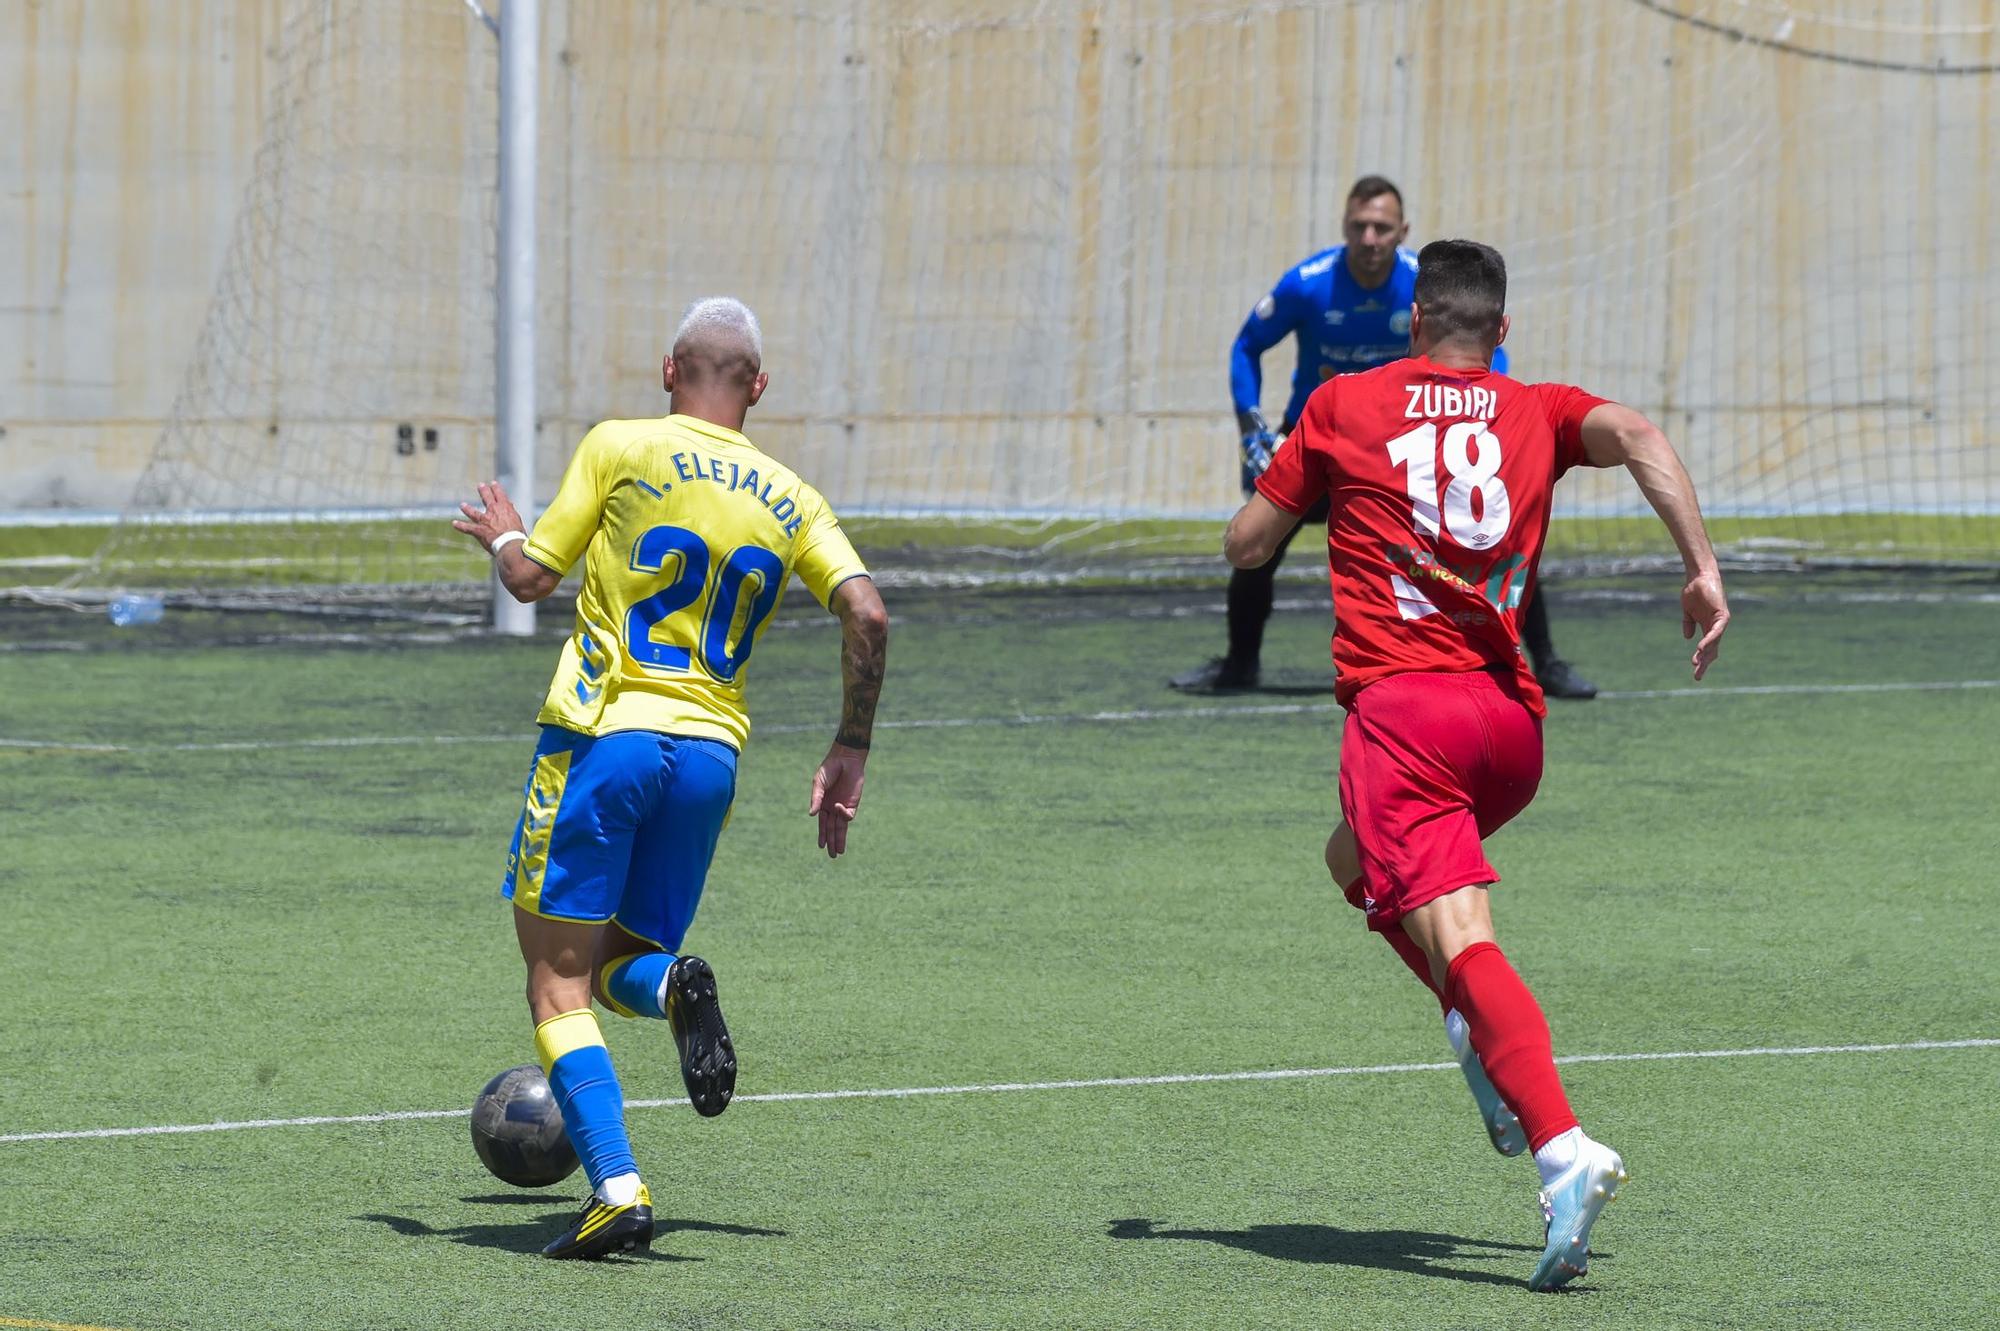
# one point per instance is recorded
(514, 405)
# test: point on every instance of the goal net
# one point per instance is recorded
(1000, 251)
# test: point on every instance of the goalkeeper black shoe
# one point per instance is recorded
(1221, 675)
(602, 1229)
(1559, 679)
(708, 1059)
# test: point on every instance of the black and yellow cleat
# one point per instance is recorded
(603, 1229)
(708, 1059)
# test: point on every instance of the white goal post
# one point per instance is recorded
(514, 405)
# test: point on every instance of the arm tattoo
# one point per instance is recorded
(864, 652)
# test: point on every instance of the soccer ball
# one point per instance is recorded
(517, 1129)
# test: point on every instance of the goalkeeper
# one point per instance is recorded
(1349, 307)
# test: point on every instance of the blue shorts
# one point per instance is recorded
(620, 827)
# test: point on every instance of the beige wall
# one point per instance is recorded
(127, 132)
(999, 258)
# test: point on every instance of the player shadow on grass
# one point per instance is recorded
(529, 1236)
(1382, 1249)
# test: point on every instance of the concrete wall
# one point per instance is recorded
(127, 134)
(1000, 250)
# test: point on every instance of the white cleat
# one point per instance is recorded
(1503, 1127)
(1570, 1206)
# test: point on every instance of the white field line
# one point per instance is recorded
(422, 638)
(970, 722)
(1625, 596)
(1757, 690)
(1006, 1087)
(557, 632)
(1181, 610)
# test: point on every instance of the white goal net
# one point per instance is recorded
(1000, 251)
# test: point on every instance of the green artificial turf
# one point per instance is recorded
(1082, 875)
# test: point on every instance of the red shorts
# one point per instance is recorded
(1430, 764)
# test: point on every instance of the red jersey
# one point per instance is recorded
(1440, 482)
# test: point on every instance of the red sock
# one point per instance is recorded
(1413, 957)
(1512, 1037)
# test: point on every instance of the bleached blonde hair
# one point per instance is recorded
(717, 322)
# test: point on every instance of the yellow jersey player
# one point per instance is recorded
(688, 535)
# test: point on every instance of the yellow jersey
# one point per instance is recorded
(688, 534)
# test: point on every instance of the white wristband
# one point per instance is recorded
(505, 539)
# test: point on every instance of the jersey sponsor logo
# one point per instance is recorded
(1502, 586)
(1370, 306)
(1372, 354)
(1413, 604)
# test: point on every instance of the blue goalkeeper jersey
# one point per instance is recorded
(1342, 327)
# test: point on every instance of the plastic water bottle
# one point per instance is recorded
(133, 608)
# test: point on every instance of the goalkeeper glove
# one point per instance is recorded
(1258, 443)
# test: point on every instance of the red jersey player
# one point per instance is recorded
(1440, 474)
